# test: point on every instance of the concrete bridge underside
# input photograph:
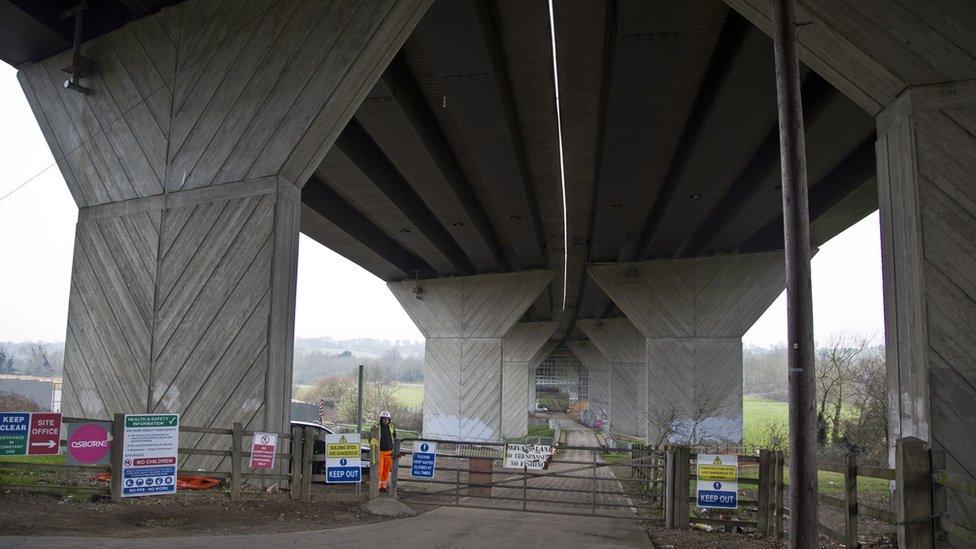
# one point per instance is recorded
(419, 140)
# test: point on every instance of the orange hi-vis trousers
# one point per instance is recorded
(386, 465)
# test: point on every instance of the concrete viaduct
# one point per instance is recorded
(419, 139)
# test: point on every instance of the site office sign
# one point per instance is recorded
(25, 433)
(149, 454)
(718, 481)
(343, 458)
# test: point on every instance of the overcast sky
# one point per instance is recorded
(335, 297)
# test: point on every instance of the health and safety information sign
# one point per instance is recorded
(343, 458)
(718, 481)
(149, 454)
(423, 461)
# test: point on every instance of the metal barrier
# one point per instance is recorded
(578, 480)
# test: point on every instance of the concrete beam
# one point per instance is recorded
(692, 314)
(464, 320)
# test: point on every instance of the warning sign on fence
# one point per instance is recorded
(527, 456)
(717, 483)
(343, 458)
(263, 449)
(149, 454)
(424, 459)
(25, 433)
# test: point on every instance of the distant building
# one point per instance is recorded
(45, 391)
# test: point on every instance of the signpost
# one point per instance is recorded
(423, 460)
(14, 428)
(527, 456)
(89, 443)
(717, 484)
(263, 449)
(149, 454)
(343, 458)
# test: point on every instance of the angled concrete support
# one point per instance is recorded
(521, 346)
(464, 320)
(598, 375)
(186, 160)
(926, 158)
(623, 345)
(693, 313)
(533, 369)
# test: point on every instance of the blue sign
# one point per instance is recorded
(14, 428)
(343, 474)
(718, 499)
(424, 460)
(148, 480)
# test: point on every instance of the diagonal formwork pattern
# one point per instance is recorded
(187, 160)
(464, 320)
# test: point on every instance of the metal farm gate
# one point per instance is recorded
(578, 480)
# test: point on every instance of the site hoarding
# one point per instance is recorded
(150, 452)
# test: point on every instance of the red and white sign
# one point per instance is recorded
(147, 462)
(45, 434)
(263, 449)
(88, 443)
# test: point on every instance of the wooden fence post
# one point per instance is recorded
(780, 493)
(118, 439)
(767, 489)
(676, 508)
(295, 483)
(913, 474)
(850, 500)
(307, 447)
(236, 439)
(374, 462)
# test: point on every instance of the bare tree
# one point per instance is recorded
(835, 373)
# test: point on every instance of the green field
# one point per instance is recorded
(758, 414)
(410, 394)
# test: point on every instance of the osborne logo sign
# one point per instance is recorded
(89, 443)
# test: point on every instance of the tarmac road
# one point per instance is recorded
(443, 527)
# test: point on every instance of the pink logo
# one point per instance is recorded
(89, 443)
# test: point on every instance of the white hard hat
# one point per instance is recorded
(384, 413)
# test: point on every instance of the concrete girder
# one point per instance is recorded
(464, 320)
(691, 314)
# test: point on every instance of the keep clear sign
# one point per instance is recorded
(149, 454)
(718, 486)
(343, 461)
(527, 456)
(424, 459)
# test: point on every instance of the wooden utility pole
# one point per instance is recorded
(799, 298)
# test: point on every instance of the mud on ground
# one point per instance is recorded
(180, 515)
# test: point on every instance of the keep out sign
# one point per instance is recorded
(88, 443)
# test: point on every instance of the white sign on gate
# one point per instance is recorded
(527, 456)
(149, 454)
(718, 481)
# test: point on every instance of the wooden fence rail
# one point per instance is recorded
(293, 468)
